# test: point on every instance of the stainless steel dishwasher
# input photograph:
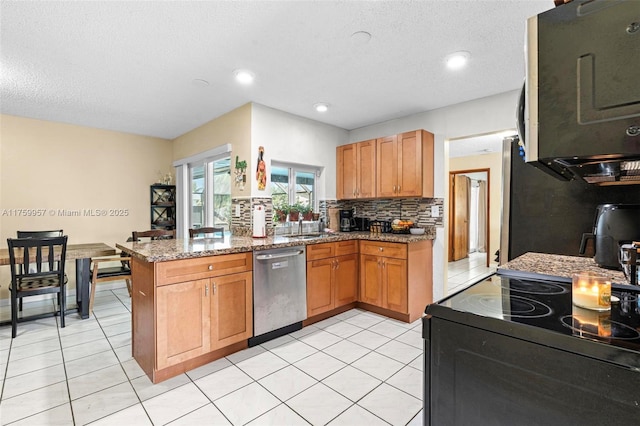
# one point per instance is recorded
(279, 292)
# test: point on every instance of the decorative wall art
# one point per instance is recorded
(261, 170)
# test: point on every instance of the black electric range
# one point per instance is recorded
(512, 349)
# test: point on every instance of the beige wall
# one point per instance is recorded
(233, 127)
(493, 162)
(56, 166)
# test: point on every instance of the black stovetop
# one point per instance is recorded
(546, 306)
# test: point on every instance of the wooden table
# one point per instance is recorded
(82, 254)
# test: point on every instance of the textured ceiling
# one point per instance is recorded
(130, 66)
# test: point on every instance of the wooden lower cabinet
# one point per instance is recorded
(396, 277)
(183, 322)
(331, 280)
(231, 309)
(183, 325)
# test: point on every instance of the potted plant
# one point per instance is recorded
(294, 212)
(280, 212)
(307, 212)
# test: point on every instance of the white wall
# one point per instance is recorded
(293, 139)
(481, 116)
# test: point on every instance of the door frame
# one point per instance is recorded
(487, 236)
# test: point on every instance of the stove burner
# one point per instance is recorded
(533, 287)
(601, 328)
(509, 306)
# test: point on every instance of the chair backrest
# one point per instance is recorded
(37, 257)
(154, 234)
(209, 232)
(40, 234)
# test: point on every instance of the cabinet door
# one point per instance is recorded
(387, 166)
(394, 273)
(319, 288)
(182, 319)
(345, 280)
(366, 169)
(370, 280)
(346, 156)
(410, 164)
(231, 309)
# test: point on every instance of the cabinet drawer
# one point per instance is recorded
(377, 248)
(346, 247)
(175, 271)
(320, 251)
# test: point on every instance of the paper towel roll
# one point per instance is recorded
(259, 222)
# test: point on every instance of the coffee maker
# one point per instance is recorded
(347, 222)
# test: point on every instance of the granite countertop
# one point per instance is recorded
(164, 250)
(554, 265)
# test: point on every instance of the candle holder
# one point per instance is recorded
(591, 291)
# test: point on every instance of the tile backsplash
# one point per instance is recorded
(416, 209)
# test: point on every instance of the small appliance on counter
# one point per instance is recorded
(614, 224)
(347, 221)
(361, 224)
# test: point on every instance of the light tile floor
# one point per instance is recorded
(464, 272)
(357, 368)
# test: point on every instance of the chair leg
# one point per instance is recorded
(92, 296)
(129, 289)
(62, 300)
(20, 300)
(14, 314)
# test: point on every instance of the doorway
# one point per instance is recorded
(469, 224)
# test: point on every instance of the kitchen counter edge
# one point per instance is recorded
(167, 250)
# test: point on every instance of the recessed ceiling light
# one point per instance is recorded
(321, 107)
(244, 76)
(360, 37)
(200, 82)
(457, 60)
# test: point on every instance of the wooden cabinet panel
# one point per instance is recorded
(410, 167)
(394, 272)
(346, 280)
(356, 171)
(231, 309)
(346, 247)
(202, 267)
(182, 319)
(320, 251)
(346, 171)
(370, 280)
(386, 166)
(319, 286)
(378, 248)
(366, 169)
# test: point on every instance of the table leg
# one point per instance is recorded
(83, 266)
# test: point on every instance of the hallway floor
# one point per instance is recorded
(464, 272)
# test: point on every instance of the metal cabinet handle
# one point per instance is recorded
(380, 249)
(211, 267)
(394, 189)
(214, 288)
(399, 188)
(337, 264)
(142, 293)
(278, 256)
(206, 289)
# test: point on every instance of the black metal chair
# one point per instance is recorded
(209, 232)
(37, 267)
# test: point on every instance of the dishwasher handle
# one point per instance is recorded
(279, 255)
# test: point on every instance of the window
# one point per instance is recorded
(210, 201)
(304, 189)
(203, 190)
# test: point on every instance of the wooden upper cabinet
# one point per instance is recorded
(356, 172)
(394, 166)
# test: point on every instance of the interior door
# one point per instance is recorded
(460, 186)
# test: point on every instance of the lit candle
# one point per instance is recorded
(591, 291)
